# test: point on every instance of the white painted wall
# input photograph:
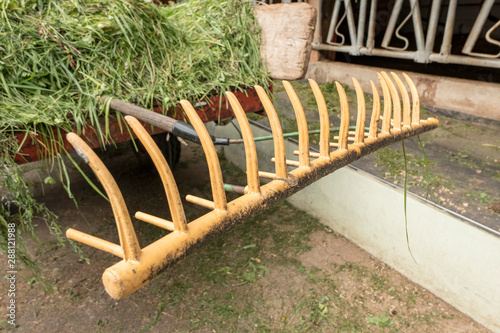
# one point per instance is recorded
(455, 260)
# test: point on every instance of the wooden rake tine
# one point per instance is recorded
(324, 121)
(249, 143)
(279, 140)
(344, 119)
(375, 120)
(174, 200)
(129, 249)
(304, 160)
(406, 100)
(360, 121)
(415, 111)
(216, 181)
(386, 121)
(396, 102)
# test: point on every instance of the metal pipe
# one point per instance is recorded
(234, 188)
(365, 51)
(448, 29)
(351, 25)
(419, 32)
(490, 40)
(464, 60)
(318, 33)
(333, 22)
(434, 57)
(392, 23)
(478, 26)
(361, 27)
(432, 27)
(370, 44)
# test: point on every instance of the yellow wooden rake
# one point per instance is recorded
(139, 265)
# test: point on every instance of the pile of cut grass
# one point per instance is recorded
(59, 56)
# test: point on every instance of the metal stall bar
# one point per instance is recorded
(476, 29)
(432, 27)
(424, 41)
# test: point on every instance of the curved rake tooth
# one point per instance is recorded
(304, 160)
(375, 112)
(360, 121)
(324, 121)
(279, 140)
(218, 193)
(344, 117)
(415, 111)
(126, 232)
(167, 178)
(250, 150)
(396, 102)
(406, 100)
(386, 121)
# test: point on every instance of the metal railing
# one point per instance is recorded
(424, 42)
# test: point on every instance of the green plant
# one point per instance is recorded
(382, 321)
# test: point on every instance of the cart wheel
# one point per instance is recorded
(169, 145)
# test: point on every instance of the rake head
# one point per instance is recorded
(139, 265)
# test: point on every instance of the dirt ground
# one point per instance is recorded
(279, 272)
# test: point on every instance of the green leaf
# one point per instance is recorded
(49, 180)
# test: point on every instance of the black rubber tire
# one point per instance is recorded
(169, 145)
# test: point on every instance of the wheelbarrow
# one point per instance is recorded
(398, 120)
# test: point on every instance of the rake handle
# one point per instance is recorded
(161, 121)
(150, 117)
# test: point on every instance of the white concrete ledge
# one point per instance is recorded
(455, 260)
(476, 98)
